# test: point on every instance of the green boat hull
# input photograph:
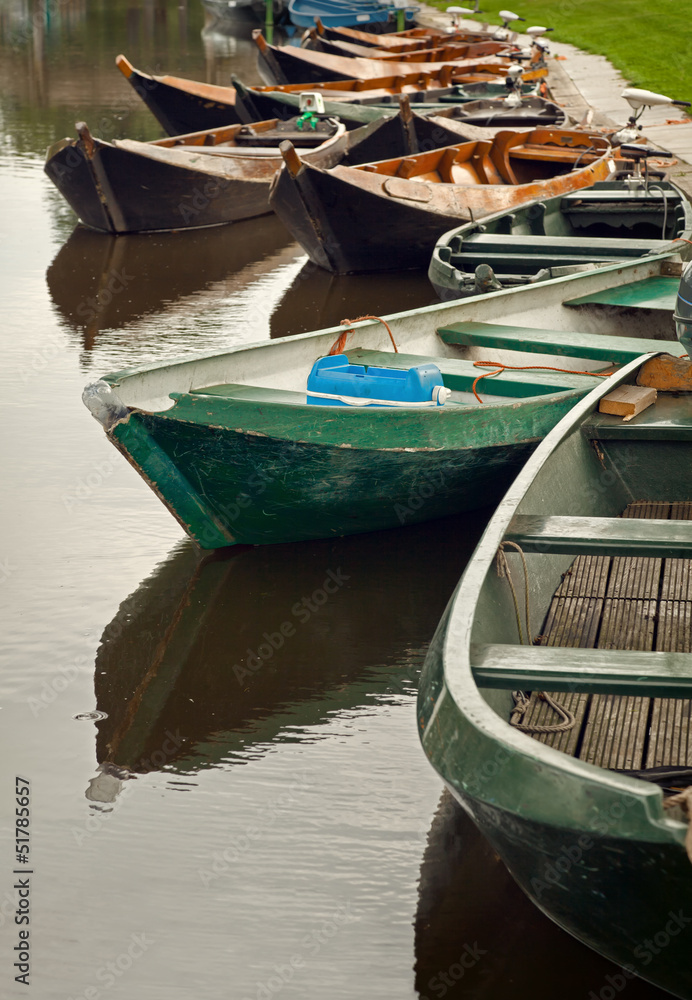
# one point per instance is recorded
(275, 481)
(570, 863)
(592, 847)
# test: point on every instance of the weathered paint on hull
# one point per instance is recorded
(280, 478)
(147, 195)
(258, 490)
(347, 228)
(616, 894)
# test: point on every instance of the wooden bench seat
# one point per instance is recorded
(612, 536)
(460, 375)
(254, 393)
(558, 245)
(669, 420)
(595, 671)
(594, 346)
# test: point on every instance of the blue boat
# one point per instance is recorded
(343, 13)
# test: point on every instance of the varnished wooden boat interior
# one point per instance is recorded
(509, 158)
(402, 41)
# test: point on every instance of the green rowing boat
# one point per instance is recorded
(580, 587)
(238, 451)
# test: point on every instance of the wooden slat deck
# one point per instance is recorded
(632, 603)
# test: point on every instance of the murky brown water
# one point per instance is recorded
(281, 835)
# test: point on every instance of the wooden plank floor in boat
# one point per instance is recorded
(623, 603)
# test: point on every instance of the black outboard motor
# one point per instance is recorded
(683, 310)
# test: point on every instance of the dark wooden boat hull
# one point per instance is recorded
(346, 226)
(283, 64)
(147, 187)
(183, 106)
(146, 195)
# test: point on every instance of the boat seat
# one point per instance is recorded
(612, 536)
(552, 246)
(658, 292)
(251, 393)
(669, 420)
(598, 671)
(554, 154)
(594, 200)
(459, 375)
(594, 346)
(263, 394)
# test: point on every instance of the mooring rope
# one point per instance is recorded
(499, 367)
(340, 342)
(521, 702)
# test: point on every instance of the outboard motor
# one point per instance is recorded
(683, 310)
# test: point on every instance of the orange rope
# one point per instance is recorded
(682, 239)
(348, 322)
(500, 367)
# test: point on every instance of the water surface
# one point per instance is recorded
(198, 833)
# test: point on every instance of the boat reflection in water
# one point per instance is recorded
(99, 281)
(317, 299)
(477, 935)
(215, 659)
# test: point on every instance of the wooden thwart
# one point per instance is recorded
(641, 603)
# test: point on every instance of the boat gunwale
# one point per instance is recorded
(501, 299)
(458, 682)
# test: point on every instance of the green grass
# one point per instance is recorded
(649, 41)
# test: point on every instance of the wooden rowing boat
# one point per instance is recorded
(438, 52)
(404, 41)
(222, 175)
(590, 813)
(388, 215)
(586, 228)
(234, 448)
(187, 182)
(484, 104)
(183, 106)
(285, 64)
(343, 13)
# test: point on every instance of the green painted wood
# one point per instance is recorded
(460, 375)
(601, 536)
(255, 393)
(669, 420)
(163, 474)
(594, 346)
(650, 293)
(558, 668)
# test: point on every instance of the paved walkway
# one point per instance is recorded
(579, 81)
